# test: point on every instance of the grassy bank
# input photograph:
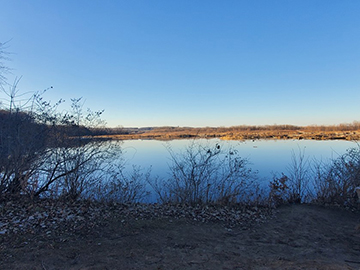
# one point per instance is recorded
(283, 132)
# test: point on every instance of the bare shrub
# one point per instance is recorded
(75, 161)
(22, 142)
(299, 175)
(336, 182)
(119, 185)
(204, 174)
(71, 171)
(44, 152)
(293, 187)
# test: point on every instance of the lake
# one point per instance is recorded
(267, 157)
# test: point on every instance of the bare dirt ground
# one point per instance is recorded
(294, 237)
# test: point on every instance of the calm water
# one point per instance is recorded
(266, 156)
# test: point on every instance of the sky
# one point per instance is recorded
(190, 63)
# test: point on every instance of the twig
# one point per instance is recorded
(43, 265)
(352, 261)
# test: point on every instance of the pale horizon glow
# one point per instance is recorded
(191, 63)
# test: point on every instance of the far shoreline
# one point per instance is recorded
(348, 132)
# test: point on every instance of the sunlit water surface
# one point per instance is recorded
(267, 157)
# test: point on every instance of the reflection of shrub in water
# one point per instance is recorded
(204, 174)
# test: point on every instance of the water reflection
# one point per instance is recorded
(266, 156)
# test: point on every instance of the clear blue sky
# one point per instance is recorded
(191, 63)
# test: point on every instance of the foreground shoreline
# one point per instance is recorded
(115, 236)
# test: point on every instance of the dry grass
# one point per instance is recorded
(335, 132)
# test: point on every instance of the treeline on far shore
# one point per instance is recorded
(315, 132)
